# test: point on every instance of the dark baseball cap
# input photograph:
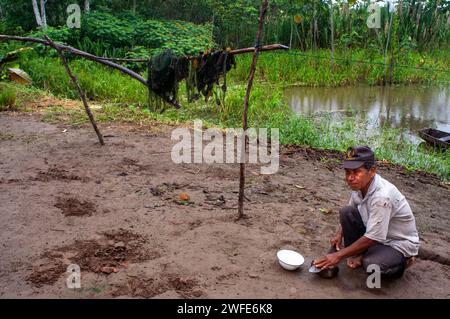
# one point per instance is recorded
(357, 156)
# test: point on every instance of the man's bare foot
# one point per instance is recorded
(354, 262)
(410, 261)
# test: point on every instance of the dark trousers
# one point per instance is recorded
(391, 261)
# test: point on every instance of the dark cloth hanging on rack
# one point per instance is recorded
(201, 73)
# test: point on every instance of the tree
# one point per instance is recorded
(332, 33)
(87, 6)
(41, 16)
(37, 14)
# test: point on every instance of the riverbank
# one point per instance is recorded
(268, 108)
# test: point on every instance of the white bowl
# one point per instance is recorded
(289, 259)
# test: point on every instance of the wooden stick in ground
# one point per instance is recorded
(262, 13)
(80, 91)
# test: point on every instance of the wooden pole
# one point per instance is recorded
(78, 87)
(269, 47)
(262, 13)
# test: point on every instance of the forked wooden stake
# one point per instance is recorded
(77, 85)
(262, 13)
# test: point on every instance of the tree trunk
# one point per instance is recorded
(292, 31)
(134, 6)
(332, 34)
(387, 46)
(315, 27)
(43, 15)
(391, 68)
(87, 6)
(303, 33)
(37, 14)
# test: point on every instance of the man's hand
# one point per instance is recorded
(357, 248)
(336, 241)
(328, 261)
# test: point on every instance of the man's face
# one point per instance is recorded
(359, 178)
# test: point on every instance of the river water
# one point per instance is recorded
(406, 107)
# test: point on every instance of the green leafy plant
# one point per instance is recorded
(7, 97)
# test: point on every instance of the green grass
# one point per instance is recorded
(97, 81)
(8, 97)
(351, 67)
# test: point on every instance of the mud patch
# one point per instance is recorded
(46, 273)
(116, 251)
(107, 255)
(140, 287)
(73, 207)
(150, 287)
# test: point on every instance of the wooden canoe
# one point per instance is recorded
(435, 137)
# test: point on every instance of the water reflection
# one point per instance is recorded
(406, 107)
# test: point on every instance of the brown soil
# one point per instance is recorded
(46, 274)
(117, 212)
(74, 207)
(150, 288)
(56, 173)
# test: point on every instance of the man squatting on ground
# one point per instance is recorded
(377, 227)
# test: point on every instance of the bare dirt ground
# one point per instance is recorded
(116, 212)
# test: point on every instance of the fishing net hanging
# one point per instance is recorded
(201, 73)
